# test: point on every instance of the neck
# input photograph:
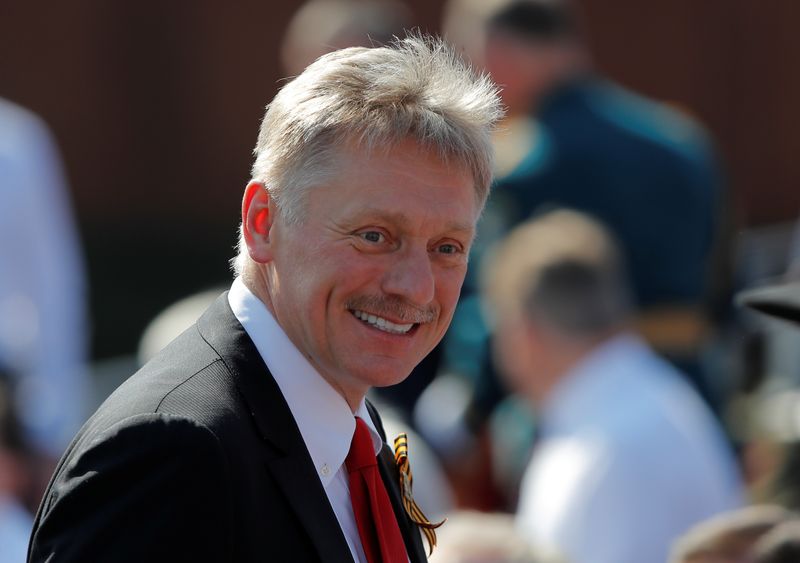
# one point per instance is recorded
(563, 355)
(256, 277)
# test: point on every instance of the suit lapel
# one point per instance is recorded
(296, 476)
(288, 460)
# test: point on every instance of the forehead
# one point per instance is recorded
(403, 180)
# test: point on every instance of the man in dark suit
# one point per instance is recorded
(234, 443)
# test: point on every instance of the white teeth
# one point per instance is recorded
(383, 324)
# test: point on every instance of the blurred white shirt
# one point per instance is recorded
(16, 526)
(43, 326)
(629, 458)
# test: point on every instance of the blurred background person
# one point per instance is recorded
(779, 545)
(43, 324)
(322, 26)
(771, 453)
(771, 446)
(16, 521)
(573, 138)
(728, 537)
(628, 456)
(482, 537)
(756, 534)
(768, 422)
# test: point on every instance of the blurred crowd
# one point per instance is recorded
(44, 382)
(599, 397)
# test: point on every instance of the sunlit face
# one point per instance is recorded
(366, 284)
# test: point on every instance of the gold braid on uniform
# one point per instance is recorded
(406, 482)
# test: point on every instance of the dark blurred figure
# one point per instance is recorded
(765, 533)
(780, 410)
(16, 522)
(43, 325)
(773, 452)
(761, 534)
(728, 537)
(780, 545)
(627, 456)
(575, 139)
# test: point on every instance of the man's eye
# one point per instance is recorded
(448, 249)
(372, 236)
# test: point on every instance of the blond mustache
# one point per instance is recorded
(395, 308)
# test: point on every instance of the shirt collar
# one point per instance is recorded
(323, 416)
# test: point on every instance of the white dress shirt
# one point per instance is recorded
(629, 458)
(323, 416)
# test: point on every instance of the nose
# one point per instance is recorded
(411, 276)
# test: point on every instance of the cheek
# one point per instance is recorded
(448, 286)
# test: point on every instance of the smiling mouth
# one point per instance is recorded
(382, 324)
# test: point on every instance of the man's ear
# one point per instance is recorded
(258, 215)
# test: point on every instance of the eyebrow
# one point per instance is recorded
(402, 219)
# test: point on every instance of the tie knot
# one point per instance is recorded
(362, 452)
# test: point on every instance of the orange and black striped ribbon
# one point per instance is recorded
(406, 482)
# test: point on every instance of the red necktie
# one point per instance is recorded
(377, 525)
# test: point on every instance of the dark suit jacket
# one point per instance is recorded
(197, 458)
